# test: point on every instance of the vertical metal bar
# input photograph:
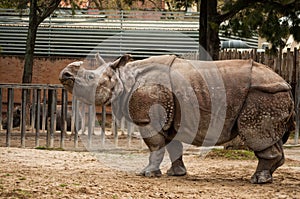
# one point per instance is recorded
(91, 124)
(103, 121)
(77, 115)
(129, 135)
(82, 113)
(44, 110)
(115, 130)
(49, 42)
(64, 106)
(1, 109)
(122, 124)
(73, 115)
(23, 117)
(38, 117)
(10, 99)
(54, 110)
(33, 110)
(297, 95)
(121, 33)
(50, 118)
(76, 104)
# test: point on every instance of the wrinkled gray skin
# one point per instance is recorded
(200, 103)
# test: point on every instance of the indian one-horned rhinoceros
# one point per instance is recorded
(173, 100)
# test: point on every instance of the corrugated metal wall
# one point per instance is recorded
(112, 33)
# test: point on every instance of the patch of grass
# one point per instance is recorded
(41, 147)
(50, 149)
(232, 154)
(22, 178)
(20, 193)
(76, 184)
(63, 185)
(115, 197)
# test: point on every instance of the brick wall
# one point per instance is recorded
(45, 69)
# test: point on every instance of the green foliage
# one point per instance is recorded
(13, 4)
(273, 20)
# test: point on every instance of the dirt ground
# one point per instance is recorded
(33, 173)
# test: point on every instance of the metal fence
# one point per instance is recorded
(111, 32)
(51, 125)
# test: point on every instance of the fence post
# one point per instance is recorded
(103, 121)
(297, 94)
(76, 107)
(33, 110)
(63, 121)
(38, 117)
(10, 98)
(91, 124)
(50, 118)
(129, 133)
(73, 115)
(82, 113)
(115, 130)
(44, 110)
(23, 117)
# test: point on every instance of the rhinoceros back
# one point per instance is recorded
(266, 80)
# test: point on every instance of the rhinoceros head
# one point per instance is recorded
(92, 86)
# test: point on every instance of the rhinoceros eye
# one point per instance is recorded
(91, 76)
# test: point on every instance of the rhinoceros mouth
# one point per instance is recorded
(68, 84)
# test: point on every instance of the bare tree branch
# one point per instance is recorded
(48, 10)
(236, 7)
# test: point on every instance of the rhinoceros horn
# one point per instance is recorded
(100, 61)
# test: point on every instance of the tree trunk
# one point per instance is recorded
(209, 29)
(29, 54)
(30, 42)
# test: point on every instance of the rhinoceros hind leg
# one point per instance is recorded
(175, 150)
(268, 161)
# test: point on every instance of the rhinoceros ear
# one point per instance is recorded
(122, 61)
(99, 59)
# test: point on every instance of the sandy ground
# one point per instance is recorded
(32, 173)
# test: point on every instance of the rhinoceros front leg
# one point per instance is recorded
(268, 161)
(175, 150)
(156, 144)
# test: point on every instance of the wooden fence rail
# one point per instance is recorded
(43, 113)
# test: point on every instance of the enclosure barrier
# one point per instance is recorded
(38, 105)
(111, 32)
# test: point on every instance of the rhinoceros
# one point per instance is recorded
(203, 103)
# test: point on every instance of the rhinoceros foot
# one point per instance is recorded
(262, 177)
(149, 173)
(177, 169)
